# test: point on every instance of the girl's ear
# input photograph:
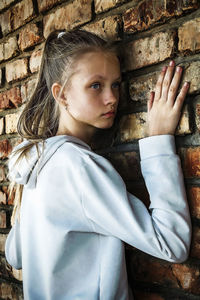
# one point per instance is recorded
(55, 89)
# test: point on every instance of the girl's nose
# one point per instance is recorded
(111, 97)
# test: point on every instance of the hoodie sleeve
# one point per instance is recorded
(13, 247)
(164, 230)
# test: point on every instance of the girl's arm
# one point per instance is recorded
(165, 230)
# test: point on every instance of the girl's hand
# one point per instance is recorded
(164, 106)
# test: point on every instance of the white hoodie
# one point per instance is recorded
(76, 213)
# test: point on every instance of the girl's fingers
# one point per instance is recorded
(181, 96)
(174, 85)
(167, 80)
(150, 102)
(158, 88)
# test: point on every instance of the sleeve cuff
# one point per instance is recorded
(157, 145)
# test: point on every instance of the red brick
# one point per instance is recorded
(2, 219)
(22, 13)
(35, 60)
(195, 246)
(194, 201)
(102, 5)
(17, 70)
(188, 277)
(191, 161)
(10, 98)
(149, 50)
(127, 164)
(108, 27)
(189, 36)
(5, 22)
(150, 12)
(5, 149)
(46, 4)
(10, 48)
(29, 36)
(67, 17)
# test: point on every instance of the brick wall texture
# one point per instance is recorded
(154, 33)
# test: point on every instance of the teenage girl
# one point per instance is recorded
(75, 212)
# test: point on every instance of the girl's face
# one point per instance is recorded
(93, 92)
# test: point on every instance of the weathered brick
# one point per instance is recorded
(2, 173)
(1, 51)
(35, 60)
(17, 69)
(29, 36)
(5, 22)
(2, 219)
(17, 274)
(102, 5)
(10, 98)
(192, 75)
(188, 277)
(195, 245)
(22, 13)
(2, 241)
(67, 17)
(11, 122)
(150, 12)
(197, 113)
(46, 4)
(184, 124)
(5, 3)
(108, 27)
(5, 149)
(1, 125)
(140, 87)
(191, 161)
(10, 48)
(194, 201)
(141, 295)
(27, 89)
(10, 291)
(147, 269)
(149, 50)
(132, 126)
(127, 164)
(189, 36)
(2, 198)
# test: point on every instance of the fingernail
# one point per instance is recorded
(178, 69)
(186, 84)
(164, 68)
(171, 63)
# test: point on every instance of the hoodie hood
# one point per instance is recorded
(26, 170)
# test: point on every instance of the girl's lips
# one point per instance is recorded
(109, 114)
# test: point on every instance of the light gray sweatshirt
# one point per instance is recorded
(76, 215)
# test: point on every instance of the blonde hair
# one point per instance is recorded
(40, 118)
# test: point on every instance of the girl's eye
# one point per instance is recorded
(95, 86)
(116, 84)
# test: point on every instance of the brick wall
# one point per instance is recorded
(154, 32)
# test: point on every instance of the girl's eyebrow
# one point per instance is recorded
(102, 77)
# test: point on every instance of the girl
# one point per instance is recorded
(75, 211)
